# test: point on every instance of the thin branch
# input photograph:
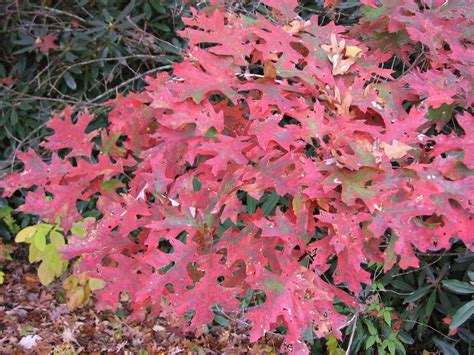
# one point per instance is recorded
(75, 101)
(125, 83)
(429, 326)
(61, 12)
(354, 326)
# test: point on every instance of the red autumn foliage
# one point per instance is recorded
(45, 43)
(357, 163)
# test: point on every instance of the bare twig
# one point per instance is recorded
(429, 326)
(125, 83)
(61, 12)
(351, 339)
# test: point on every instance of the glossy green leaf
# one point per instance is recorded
(462, 315)
(418, 294)
(270, 204)
(459, 287)
(70, 81)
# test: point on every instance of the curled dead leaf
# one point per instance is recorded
(340, 55)
(269, 70)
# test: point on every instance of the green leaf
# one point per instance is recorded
(160, 26)
(406, 338)
(462, 315)
(430, 305)
(458, 287)
(387, 318)
(25, 234)
(70, 82)
(445, 301)
(273, 285)
(400, 346)
(391, 348)
(371, 327)
(441, 115)
(401, 285)
(157, 6)
(418, 294)
(445, 347)
(221, 320)
(79, 227)
(270, 204)
(354, 184)
(196, 184)
(370, 341)
(371, 14)
(251, 204)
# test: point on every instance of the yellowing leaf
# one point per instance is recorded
(57, 239)
(333, 345)
(79, 228)
(96, 284)
(53, 259)
(45, 274)
(353, 51)
(34, 254)
(75, 297)
(25, 234)
(71, 282)
(39, 240)
(396, 150)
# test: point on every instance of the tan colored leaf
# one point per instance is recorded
(294, 27)
(75, 297)
(396, 150)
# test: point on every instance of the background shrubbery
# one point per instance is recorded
(99, 48)
(78, 53)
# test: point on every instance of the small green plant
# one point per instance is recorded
(44, 240)
(382, 330)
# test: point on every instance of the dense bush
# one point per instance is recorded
(279, 165)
